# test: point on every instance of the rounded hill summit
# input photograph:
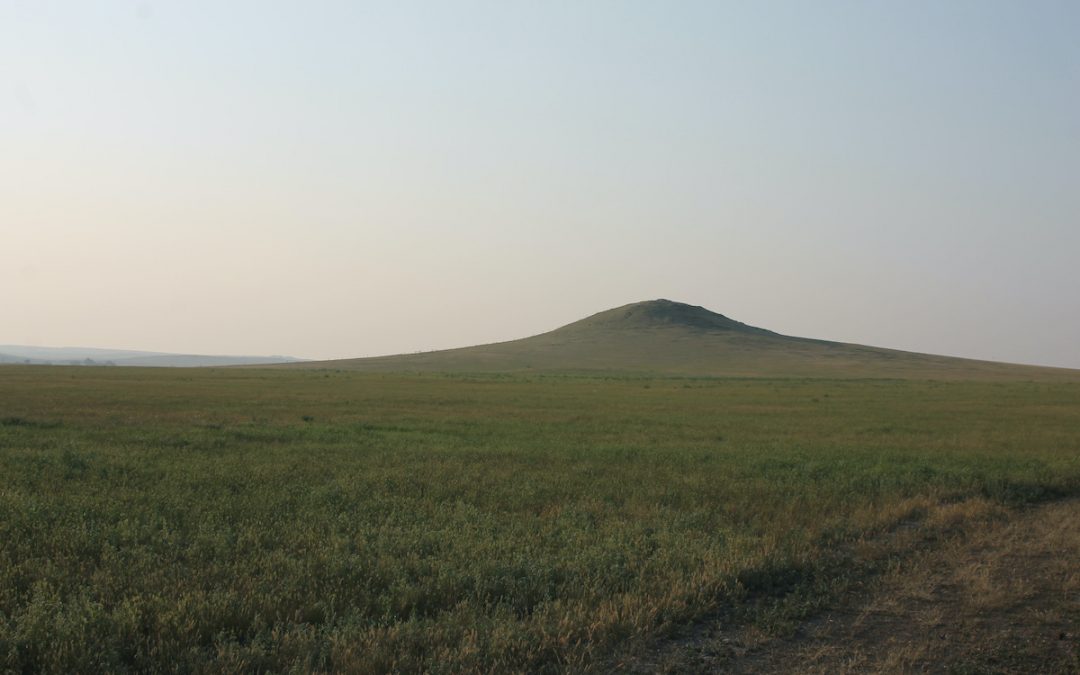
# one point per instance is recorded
(660, 313)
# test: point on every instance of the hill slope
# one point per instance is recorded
(672, 338)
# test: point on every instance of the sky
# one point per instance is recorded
(341, 179)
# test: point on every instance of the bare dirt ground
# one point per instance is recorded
(1004, 597)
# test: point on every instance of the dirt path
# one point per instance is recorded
(1003, 599)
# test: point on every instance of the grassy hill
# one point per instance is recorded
(663, 337)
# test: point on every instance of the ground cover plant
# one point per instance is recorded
(211, 520)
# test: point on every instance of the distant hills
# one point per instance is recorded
(671, 338)
(86, 356)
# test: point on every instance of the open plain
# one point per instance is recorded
(329, 520)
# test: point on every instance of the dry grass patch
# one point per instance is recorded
(1002, 598)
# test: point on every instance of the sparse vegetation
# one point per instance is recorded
(199, 520)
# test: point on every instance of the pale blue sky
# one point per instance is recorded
(336, 179)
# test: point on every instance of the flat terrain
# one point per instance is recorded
(79, 356)
(315, 520)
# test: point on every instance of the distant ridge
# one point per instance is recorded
(664, 337)
(89, 356)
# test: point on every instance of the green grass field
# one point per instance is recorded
(242, 520)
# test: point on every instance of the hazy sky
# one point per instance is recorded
(336, 179)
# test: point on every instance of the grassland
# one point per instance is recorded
(306, 520)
